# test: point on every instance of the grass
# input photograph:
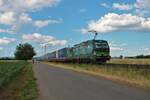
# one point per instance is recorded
(8, 70)
(130, 61)
(23, 86)
(135, 77)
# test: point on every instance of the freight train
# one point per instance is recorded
(96, 51)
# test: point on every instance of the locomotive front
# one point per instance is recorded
(101, 51)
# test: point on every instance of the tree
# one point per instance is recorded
(24, 52)
(121, 57)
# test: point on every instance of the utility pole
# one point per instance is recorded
(45, 46)
(45, 49)
(95, 32)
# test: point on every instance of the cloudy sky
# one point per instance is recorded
(125, 24)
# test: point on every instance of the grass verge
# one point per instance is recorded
(130, 61)
(133, 77)
(22, 87)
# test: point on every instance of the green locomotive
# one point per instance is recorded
(96, 51)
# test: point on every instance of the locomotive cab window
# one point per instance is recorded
(101, 45)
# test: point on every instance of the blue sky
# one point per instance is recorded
(125, 24)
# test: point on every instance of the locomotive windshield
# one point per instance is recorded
(101, 45)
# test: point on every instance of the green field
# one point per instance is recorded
(9, 69)
(17, 81)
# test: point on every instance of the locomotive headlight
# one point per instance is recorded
(94, 53)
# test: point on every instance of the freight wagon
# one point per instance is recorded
(97, 51)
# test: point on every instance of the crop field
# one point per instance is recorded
(9, 69)
(17, 81)
(130, 61)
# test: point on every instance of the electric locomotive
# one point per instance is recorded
(96, 51)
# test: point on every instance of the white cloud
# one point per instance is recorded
(55, 42)
(24, 17)
(1, 48)
(140, 7)
(105, 5)
(1, 2)
(147, 49)
(117, 47)
(122, 6)
(37, 37)
(43, 39)
(43, 23)
(82, 30)
(142, 4)
(6, 40)
(6, 31)
(7, 18)
(26, 5)
(139, 4)
(115, 22)
(14, 21)
(82, 10)
(17, 21)
(15, 12)
(37, 4)
(118, 6)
